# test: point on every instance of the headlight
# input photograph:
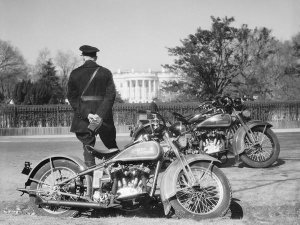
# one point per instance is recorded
(177, 128)
(246, 113)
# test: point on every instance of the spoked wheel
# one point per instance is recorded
(209, 198)
(45, 181)
(266, 150)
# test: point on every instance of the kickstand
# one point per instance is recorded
(236, 160)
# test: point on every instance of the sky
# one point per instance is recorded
(132, 34)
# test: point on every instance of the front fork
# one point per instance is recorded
(249, 132)
(191, 180)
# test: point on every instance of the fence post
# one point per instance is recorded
(57, 116)
(15, 116)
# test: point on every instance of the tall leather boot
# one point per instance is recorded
(89, 158)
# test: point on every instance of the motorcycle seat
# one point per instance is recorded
(144, 121)
(183, 118)
(102, 153)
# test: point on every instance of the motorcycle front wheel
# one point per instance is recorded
(209, 198)
(265, 152)
(45, 182)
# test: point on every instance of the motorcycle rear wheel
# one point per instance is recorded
(210, 199)
(62, 169)
(266, 153)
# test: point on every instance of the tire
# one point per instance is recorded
(207, 200)
(263, 155)
(67, 169)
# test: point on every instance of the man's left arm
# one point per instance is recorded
(109, 98)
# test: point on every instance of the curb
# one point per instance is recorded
(125, 135)
(286, 130)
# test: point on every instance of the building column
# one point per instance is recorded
(139, 91)
(136, 91)
(132, 90)
(149, 90)
(143, 91)
(128, 89)
(156, 88)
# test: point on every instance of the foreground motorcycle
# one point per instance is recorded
(142, 175)
(220, 127)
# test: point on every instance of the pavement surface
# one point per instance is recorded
(278, 185)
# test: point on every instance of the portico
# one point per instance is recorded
(139, 87)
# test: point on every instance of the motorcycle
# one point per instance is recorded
(220, 127)
(142, 175)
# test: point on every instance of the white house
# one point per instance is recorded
(142, 87)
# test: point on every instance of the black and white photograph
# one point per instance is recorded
(150, 112)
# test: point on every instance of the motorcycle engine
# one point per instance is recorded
(210, 141)
(129, 181)
(184, 139)
(213, 141)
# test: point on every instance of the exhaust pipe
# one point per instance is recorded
(74, 204)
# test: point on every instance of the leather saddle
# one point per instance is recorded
(102, 153)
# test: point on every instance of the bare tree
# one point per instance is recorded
(65, 62)
(43, 57)
(12, 68)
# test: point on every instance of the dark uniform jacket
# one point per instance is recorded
(102, 85)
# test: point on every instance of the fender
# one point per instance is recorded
(169, 179)
(238, 138)
(140, 128)
(74, 159)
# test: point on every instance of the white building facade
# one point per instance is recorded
(142, 87)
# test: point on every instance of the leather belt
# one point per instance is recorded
(91, 98)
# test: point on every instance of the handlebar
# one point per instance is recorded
(153, 113)
(223, 102)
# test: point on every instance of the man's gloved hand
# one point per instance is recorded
(95, 122)
(93, 117)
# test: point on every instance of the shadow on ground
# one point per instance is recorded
(230, 162)
(236, 209)
(235, 212)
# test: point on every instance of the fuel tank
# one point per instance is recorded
(197, 118)
(144, 151)
(219, 120)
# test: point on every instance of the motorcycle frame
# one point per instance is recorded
(244, 130)
(166, 191)
(84, 172)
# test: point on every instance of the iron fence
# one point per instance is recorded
(18, 116)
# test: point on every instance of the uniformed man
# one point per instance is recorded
(91, 94)
(153, 105)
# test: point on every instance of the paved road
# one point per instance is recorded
(277, 185)
(289, 145)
